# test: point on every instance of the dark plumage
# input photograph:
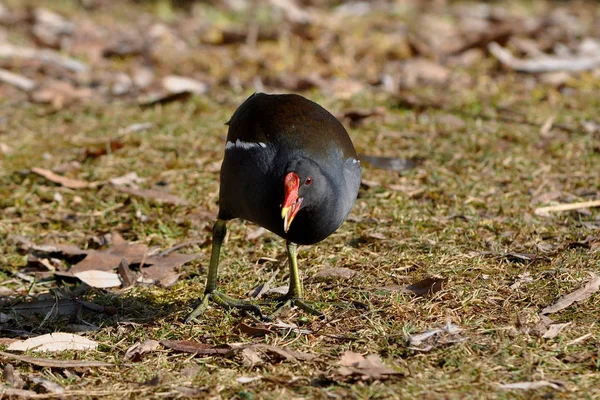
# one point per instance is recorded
(299, 136)
(290, 167)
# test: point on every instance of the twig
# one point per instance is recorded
(45, 56)
(543, 211)
(16, 80)
(543, 64)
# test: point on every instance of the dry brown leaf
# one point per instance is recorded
(164, 269)
(369, 367)
(18, 393)
(423, 71)
(426, 286)
(135, 352)
(334, 273)
(255, 331)
(52, 363)
(57, 341)
(251, 357)
(63, 180)
(579, 295)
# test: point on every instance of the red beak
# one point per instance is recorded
(291, 201)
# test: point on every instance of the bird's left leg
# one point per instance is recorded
(210, 291)
(294, 294)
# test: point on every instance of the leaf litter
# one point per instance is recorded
(365, 368)
(57, 341)
(98, 267)
(579, 295)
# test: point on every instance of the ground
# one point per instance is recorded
(490, 145)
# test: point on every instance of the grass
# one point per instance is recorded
(468, 204)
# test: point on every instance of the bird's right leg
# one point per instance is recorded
(210, 291)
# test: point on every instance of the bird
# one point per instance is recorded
(290, 167)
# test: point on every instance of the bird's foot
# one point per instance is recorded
(226, 302)
(290, 301)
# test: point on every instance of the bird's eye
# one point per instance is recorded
(308, 181)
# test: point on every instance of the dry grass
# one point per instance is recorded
(456, 216)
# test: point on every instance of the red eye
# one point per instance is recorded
(308, 181)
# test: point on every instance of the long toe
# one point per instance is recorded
(226, 302)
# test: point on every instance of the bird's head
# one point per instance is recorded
(303, 187)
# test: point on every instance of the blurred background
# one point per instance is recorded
(147, 51)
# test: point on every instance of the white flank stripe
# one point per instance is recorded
(244, 145)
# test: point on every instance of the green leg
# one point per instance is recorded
(210, 291)
(294, 294)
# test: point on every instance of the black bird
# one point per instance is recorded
(291, 168)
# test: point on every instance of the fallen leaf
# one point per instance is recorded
(426, 286)
(52, 363)
(255, 331)
(545, 211)
(63, 180)
(135, 352)
(251, 357)
(57, 341)
(544, 63)
(369, 367)
(554, 330)
(48, 385)
(16, 80)
(99, 279)
(334, 273)
(164, 269)
(248, 379)
(449, 328)
(160, 98)
(60, 94)
(416, 71)
(388, 163)
(129, 179)
(579, 295)
(18, 393)
(531, 385)
(355, 116)
(179, 84)
(263, 288)
(134, 128)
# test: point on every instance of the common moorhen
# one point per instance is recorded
(291, 168)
